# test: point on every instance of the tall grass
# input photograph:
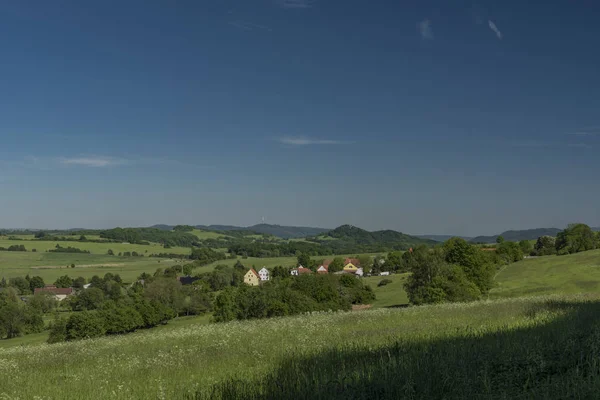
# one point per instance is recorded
(508, 348)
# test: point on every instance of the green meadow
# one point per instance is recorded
(536, 347)
(575, 273)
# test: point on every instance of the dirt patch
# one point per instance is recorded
(79, 266)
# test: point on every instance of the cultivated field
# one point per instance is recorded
(52, 265)
(95, 248)
(513, 348)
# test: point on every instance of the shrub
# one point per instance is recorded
(384, 282)
(84, 325)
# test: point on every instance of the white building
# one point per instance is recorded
(359, 272)
(294, 272)
(386, 273)
(263, 274)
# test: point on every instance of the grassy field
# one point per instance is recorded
(541, 347)
(390, 295)
(95, 248)
(575, 273)
(207, 234)
(52, 265)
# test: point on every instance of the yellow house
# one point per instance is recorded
(350, 267)
(251, 278)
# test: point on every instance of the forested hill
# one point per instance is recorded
(515, 236)
(352, 236)
(284, 232)
(442, 238)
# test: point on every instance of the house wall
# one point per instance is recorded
(350, 267)
(251, 279)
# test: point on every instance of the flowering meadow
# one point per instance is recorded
(528, 347)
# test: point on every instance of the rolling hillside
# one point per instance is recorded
(356, 239)
(575, 273)
(515, 236)
(283, 232)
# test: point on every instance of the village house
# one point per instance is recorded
(300, 271)
(59, 293)
(351, 265)
(263, 274)
(251, 278)
(324, 268)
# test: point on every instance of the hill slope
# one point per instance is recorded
(575, 273)
(348, 238)
(281, 231)
(442, 238)
(515, 236)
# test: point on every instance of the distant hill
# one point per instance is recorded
(515, 236)
(442, 238)
(352, 237)
(284, 232)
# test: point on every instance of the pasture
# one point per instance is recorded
(538, 347)
(575, 273)
(94, 248)
(52, 265)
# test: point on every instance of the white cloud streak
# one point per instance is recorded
(495, 29)
(249, 26)
(93, 161)
(425, 29)
(305, 141)
(295, 3)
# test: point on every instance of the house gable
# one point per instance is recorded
(251, 278)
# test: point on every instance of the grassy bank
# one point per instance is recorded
(534, 345)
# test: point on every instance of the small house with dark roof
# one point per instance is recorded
(60, 293)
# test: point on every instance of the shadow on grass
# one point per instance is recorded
(398, 306)
(559, 359)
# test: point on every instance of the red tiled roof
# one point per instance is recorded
(54, 290)
(302, 270)
(254, 272)
(353, 261)
(326, 263)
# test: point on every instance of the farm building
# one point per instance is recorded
(251, 278)
(300, 271)
(323, 269)
(60, 293)
(263, 274)
(351, 265)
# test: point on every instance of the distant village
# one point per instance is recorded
(351, 267)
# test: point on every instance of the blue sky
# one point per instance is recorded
(420, 116)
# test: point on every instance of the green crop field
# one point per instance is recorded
(52, 265)
(95, 248)
(575, 273)
(207, 234)
(537, 347)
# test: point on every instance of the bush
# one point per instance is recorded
(384, 282)
(84, 325)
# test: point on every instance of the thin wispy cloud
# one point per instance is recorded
(580, 145)
(305, 141)
(93, 161)
(495, 29)
(249, 26)
(533, 143)
(295, 3)
(587, 131)
(425, 29)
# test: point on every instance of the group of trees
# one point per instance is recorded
(14, 247)
(59, 249)
(108, 306)
(18, 318)
(146, 235)
(457, 271)
(280, 297)
(574, 239)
